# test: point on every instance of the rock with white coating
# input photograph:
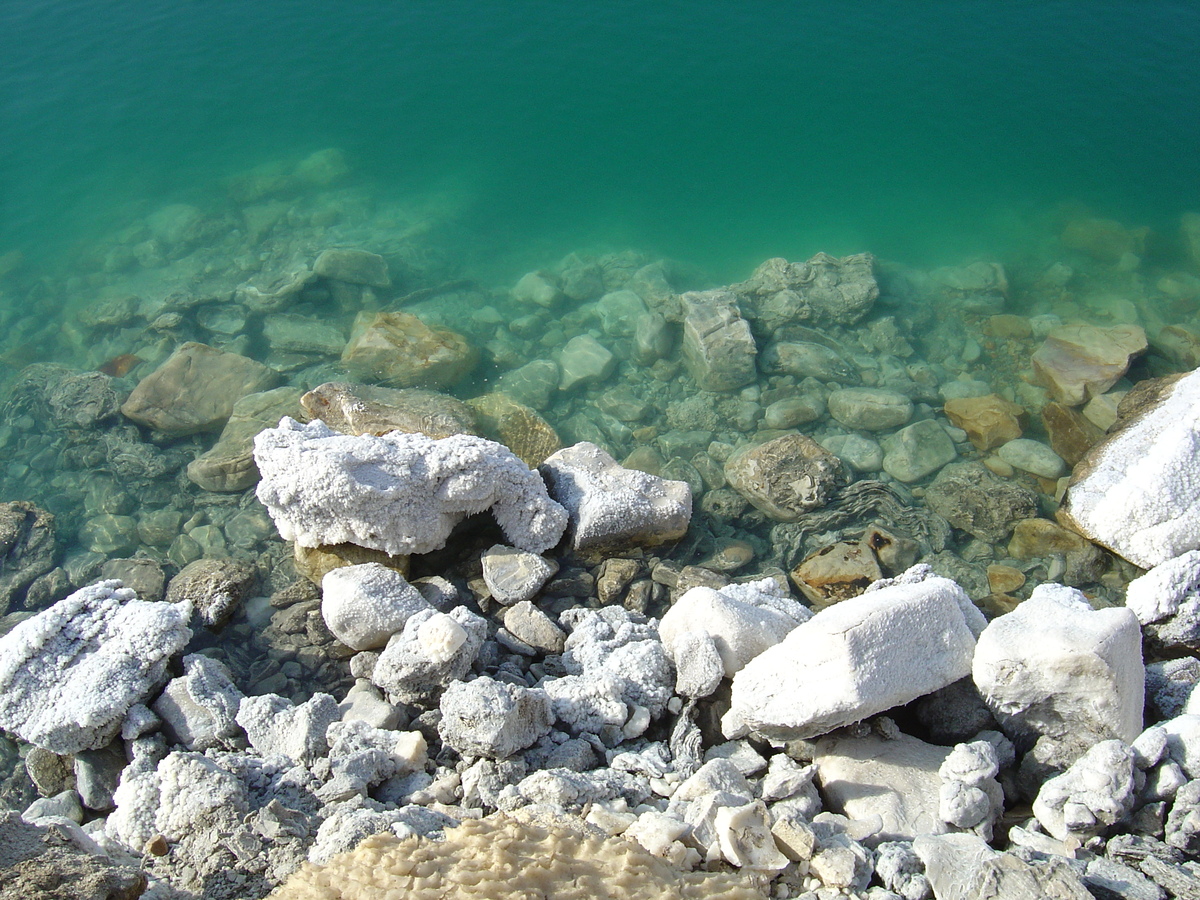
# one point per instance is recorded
(200, 709)
(399, 493)
(1092, 795)
(1056, 667)
(493, 719)
(365, 605)
(736, 623)
(433, 650)
(276, 726)
(514, 575)
(1137, 492)
(744, 836)
(69, 675)
(1163, 590)
(970, 796)
(867, 654)
(361, 756)
(610, 505)
(964, 867)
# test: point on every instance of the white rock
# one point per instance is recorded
(515, 575)
(433, 650)
(200, 709)
(275, 726)
(1183, 743)
(744, 836)
(70, 674)
(1138, 491)
(970, 796)
(366, 604)
(856, 658)
(492, 718)
(1054, 666)
(611, 505)
(399, 493)
(1161, 591)
(364, 703)
(1093, 794)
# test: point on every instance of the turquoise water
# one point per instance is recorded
(720, 133)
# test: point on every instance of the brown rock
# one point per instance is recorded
(195, 390)
(516, 426)
(1008, 326)
(1071, 434)
(1036, 538)
(369, 409)
(315, 562)
(1180, 345)
(837, 572)
(400, 350)
(988, 421)
(785, 477)
(1005, 579)
(894, 553)
(1077, 362)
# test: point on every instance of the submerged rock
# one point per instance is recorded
(970, 497)
(824, 289)
(369, 409)
(1078, 362)
(229, 464)
(400, 350)
(718, 348)
(785, 477)
(27, 548)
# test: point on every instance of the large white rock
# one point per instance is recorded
(1094, 793)
(1054, 666)
(1138, 491)
(399, 493)
(364, 605)
(70, 674)
(1161, 591)
(734, 625)
(859, 657)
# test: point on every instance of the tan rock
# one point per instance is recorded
(229, 464)
(1180, 345)
(1105, 240)
(989, 421)
(1078, 362)
(370, 409)
(785, 477)
(516, 426)
(1033, 538)
(837, 572)
(315, 562)
(195, 390)
(400, 350)
(1004, 579)
(1008, 326)
(1071, 434)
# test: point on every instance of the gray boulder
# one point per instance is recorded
(718, 348)
(229, 464)
(434, 650)
(970, 497)
(493, 719)
(514, 575)
(917, 450)
(822, 290)
(26, 548)
(870, 409)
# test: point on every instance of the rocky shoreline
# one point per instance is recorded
(827, 583)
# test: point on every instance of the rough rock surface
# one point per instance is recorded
(399, 350)
(970, 497)
(70, 674)
(1093, 794)
(824, 289)
(884, 648)
(491, 718)
(399, 493)
(1056, 667)
(213, 587)
(368, 409)
(1138, 491)
(195, 390)
(434, 650)
(27, 548)
(516, 426)
(785, 477)
(515, 575)
(610, 505)
(1078, 362)
(718, 348)
(989, 421)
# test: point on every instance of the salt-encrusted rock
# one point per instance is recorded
(433, 650)
(917, 450)
(744, 836)
(1137, 492)
(369, 409)
(26, 548)
(199, 710)
(1033, 457)
(893, 778)
(901, 871)
(195, 390)
(964, 867)
(718, 348)
(399, 493)
(1164, 589)
(970, 796)
(881, 649)
(70, 674)
(1183, 743)
(213, 587)
(399, 350)
(492, 718)
(275, 726)
(823, 289)
(351, 822)
(47, 861)
(1169, 687)
(514, 575)
(1056, 667)
(785, 477)
(229, 464)
(734, 624)
(365, 605)
(1183, 822)
(870, 409)
(361, 756)
(1092, 795)
(989, 421)
(353, 266)
(970, 497)
(839, 861)
(1078, 362)
(1107, 878)
(610, 505)
(583, 359)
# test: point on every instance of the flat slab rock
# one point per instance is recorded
(1138, 491)
(369, 409)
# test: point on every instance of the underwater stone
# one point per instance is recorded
(806, 360)
(400, 350)
(917, 450)
(213, 587)
(785, 477)
(1137, 492)
(300, 334)
(860, 453)
(584, 360)
(229, 464)
(27, 548)
(69, 674)
(533, 383)
(537, 289)
(619, 312)
(369, 409)
(1033, 457)
(970, 497)
(989, 421)
(825, 289)
(195, 390)
(870, 409)
(353, 267)
(836, 572)
(1078, 362)
(399, 493)
(609, 505)
(718, 347)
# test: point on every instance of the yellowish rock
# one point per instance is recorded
(399, 350)
(1004, 579)
(837, 572)
(516, 426)
(314, 563)
(989, 421)
(1078, 362)
(1034, 538)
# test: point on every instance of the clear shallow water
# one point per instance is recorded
(718, 133)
